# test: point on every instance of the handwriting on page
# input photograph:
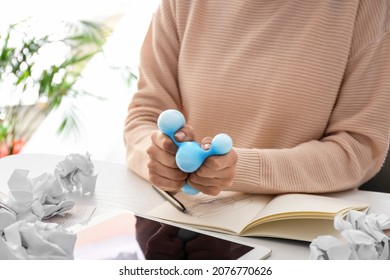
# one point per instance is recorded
(209, 206)
(79, 214)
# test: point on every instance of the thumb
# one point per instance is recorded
(186, 133)
(206, 142)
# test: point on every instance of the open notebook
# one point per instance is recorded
(290, 216)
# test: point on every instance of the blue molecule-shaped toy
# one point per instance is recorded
(190, 155)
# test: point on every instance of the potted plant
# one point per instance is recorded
(33, 81)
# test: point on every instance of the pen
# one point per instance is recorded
(171, 199)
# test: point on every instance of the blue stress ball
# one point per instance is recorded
(190, 155)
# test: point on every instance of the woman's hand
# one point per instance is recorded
(163, 171)
(216, 173)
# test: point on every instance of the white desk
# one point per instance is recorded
(117, 187)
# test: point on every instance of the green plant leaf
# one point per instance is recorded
(3, 132)
(84, 39)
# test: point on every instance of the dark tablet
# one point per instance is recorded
(125, 236)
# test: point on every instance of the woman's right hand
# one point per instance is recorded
(163, 171)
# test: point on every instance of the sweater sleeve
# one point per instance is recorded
(157, 88)
(354, 146)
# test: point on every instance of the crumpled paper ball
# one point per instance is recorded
(364, 237)
(6, 218)
(37, 198)
(42, 197)
(36, 241)
(76, 173)
(22, 233)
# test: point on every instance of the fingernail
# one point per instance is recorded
(206, 146)
(180, 136)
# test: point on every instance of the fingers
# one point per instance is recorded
(163, 171)
(206, 143)
(170, 173)
(165, 184)
(209, 189)
(218, 163)
(163, 142)
(186, 133)
(216, 174)
(158, 155)
(166, 178)
(209, 186)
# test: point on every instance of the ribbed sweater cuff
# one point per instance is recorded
(248, 171)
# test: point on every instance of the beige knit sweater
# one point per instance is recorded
(302, 87)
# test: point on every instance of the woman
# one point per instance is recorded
(302, 87)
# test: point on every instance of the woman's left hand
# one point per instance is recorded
(216, 173)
